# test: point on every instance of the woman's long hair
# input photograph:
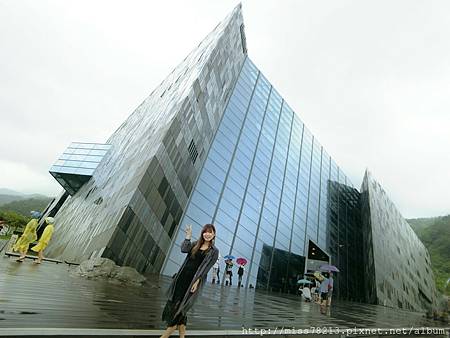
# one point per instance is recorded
(201, 240)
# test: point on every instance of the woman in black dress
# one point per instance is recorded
(187, 283)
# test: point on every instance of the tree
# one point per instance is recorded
(14, 219)
(435, 235)
(24, 206)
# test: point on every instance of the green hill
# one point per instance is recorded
(24, 206)
(421, 223)
(435, 235)
(8, 198)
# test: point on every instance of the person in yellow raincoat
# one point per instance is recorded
(44, 240)
(28, 236)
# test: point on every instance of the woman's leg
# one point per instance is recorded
(22, 256)
(324, 297)
(40, 256)
(182, 330)
(169, 331)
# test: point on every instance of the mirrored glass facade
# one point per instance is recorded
(397, 265)
(267, 185)
(216, 143)
(77, 164)
(129, 209)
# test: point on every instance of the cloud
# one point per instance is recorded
(370, 80)
(26, 179)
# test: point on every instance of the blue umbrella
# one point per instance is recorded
(35, 214)
(229, 257)
(304, 281)
(328, 267)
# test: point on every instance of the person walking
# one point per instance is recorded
(317, 290)
(44, 240)
(330, 288)
(218, 270)
(228, 272)
(215, 272)
(29, 236)
(184, 290)
(323, 292)
(240, 274)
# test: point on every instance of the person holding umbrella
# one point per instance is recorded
(187, 283)
(305, 289)
(323, 290)
(330, 269)
(330, 288)
(241, 261)
(229, 270)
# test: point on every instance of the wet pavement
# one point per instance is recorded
(51, 296)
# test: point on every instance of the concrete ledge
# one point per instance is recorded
(57, 261)
(56, 332)
(117, 333)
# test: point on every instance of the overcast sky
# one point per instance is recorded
(371, 80)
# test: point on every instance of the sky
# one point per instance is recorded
(370, 79)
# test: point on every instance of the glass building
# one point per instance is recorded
(215, 142)
(77, 164)
(266, 185)
(397, 265)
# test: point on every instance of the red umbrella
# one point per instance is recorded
(241, 261)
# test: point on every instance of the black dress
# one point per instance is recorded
(184, 279)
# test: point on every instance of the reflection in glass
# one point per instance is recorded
(271, 190)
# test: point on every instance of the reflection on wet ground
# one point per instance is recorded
(49, 295)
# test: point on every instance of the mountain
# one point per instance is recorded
(9, 198)
(23, 206)
(5, 191)
(435, 235)
(8, 195)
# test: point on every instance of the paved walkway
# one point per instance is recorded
(50, 296)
